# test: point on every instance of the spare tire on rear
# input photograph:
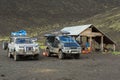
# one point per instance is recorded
(5, 45)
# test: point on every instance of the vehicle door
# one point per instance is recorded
(50, 42)
(56, 45)
(11, 45)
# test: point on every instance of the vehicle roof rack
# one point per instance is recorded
(47, 35)
(19, 33)
(65, 33)
(61, 33)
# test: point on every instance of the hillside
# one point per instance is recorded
(24, 14)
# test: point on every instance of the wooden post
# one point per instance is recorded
(114, 47)
(90, 42)
(81, 40)
(87, 39)
(102, 43)
(93, 44)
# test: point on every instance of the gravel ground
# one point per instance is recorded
(89, 67)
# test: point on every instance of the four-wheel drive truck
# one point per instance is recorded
(62, 45)
(21, 46)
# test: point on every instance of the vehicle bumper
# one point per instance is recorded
(27, 53)
(71, 51)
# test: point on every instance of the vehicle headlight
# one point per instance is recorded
(78, 48)
(36, 48)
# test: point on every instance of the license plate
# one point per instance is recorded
(74, 52)
(29, 53)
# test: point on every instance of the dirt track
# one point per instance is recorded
(89, 67)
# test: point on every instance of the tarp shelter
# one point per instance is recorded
(91, 32)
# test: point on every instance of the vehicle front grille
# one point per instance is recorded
(29, 48)
(73, 48)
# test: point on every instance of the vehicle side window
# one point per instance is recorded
(50, 40)
(56, 43)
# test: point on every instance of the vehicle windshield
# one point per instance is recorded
(71, 45)
(23, 41)
(67, 39)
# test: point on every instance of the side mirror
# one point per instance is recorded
(5, 45)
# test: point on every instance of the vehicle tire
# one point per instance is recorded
(8, 54)
(5, 45)
(16, 57)
(77, 56)
(48, 53)
(36, 57)
(61, 55)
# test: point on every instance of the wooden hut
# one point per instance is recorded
(92, 33)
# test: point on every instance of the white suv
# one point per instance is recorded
(22, 47)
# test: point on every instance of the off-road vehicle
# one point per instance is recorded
(21, 46)
(62, 44)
